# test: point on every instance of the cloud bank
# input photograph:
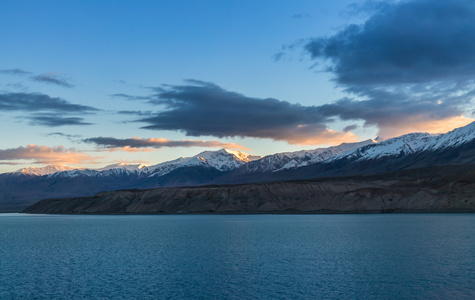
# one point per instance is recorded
(46, 155)
(45, 110)
(203, 108)
(411, 62)
(141, 144)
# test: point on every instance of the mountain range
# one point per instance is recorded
(416, 150)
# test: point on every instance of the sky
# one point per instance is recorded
(94, 83)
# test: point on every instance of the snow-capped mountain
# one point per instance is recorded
(223, 160)
(399, 146)
(413, 150)
(412, 143)
(41, 171)
(416, 150)
(292, 160)
(123, 166)
(452, 139)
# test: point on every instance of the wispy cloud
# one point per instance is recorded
(128, 97)
(46, 155)
(202, 108)
(140, 144)
(49, 78)
(9, 163)
(16, 72)
(53, 120)
(40, 102)
(301, 16)
(53, 78)
(135, 112)
(64, 135)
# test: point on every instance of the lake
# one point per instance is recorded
(376, 256)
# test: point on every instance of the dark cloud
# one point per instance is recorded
(53, 78)
(45, 110)
(51, 120)
(139, 143)
(406, 42)
(203, 108)
(40, 102)
(17, 72)
(350, 128)
(135, 112)
(410, 62)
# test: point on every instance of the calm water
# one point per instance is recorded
(424, 256)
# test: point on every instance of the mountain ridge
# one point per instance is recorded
(416, 150)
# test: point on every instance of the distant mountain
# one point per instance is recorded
(23, 187)
(415, 150)
(51, 169)
(292, 160)
(434, 189)
(222, 160)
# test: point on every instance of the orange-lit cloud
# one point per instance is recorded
(419, 124)
(326, 137)
(136, 144)
(47, 155)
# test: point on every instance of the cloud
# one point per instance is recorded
(69, 136)
(410, 63)
(404, 42)
(53, 78)
(128, 97)
(46, 155)
(32, 102)
(135, 112)
(300, 16)
(16, 72)
(9, 163)
(49, 78)
(140, 144)
(45, 110)
(203, 108)
(75, 138)
(350, 128)
(52, 120)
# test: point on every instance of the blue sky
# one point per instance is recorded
(91, 83)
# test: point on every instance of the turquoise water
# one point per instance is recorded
(389, 256)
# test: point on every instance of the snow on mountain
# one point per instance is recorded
(403, 145)
(123, 166)
(412, 143)
(41, 171)
(227, 160)
(291, 160)
(222, 160)
(453, 138)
